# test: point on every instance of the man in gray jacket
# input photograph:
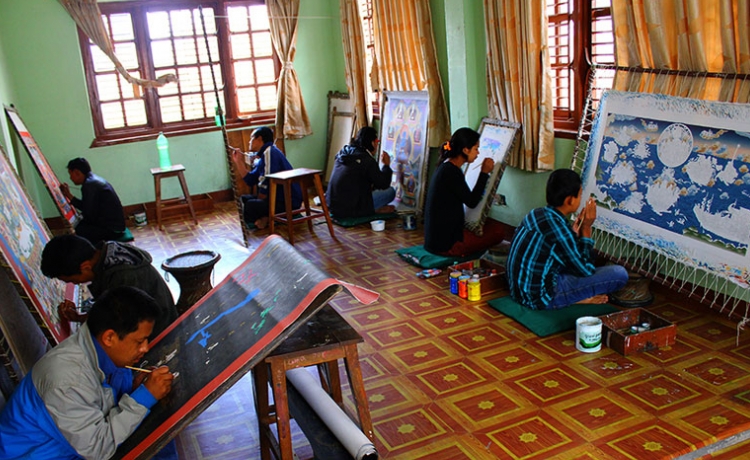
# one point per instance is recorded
(74, 259)
(79, 400)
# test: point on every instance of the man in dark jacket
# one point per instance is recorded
(73, 259)
(103, 218)
(357, 187)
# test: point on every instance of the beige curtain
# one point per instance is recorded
(355, 62)
(291, 116)
(519, 87)
(690, 35)
(87, 16)
(406, 58)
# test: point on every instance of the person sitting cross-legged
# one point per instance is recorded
(79, 400)
(358, 187)
(550, 263)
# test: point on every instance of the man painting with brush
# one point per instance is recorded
(79, 400)
(550, 264)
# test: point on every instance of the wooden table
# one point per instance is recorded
(325, 339)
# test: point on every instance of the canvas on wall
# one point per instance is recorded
(48, 176)
(496, 140)
(23, 236)
(672, 174)
(403, 134)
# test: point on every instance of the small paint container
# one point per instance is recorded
(463, 286)
(474, 289)
(454, 282)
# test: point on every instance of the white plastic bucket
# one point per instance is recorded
(589, 334)
(140, 219)
(378, 225)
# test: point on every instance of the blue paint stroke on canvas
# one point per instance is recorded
(203, 332)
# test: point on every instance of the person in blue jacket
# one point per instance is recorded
(79, 400)
(268, 160)
(103, 217)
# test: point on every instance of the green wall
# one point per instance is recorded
(42, 75)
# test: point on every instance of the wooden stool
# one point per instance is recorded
(303, 176)
(325, 339)
(159, 174)
(192, 270)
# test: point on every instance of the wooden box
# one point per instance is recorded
(619, 337)
(489, 281)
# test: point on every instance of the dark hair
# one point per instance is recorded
(121, 309)
(561, 184)
(80, 164)
(462, 137)
(265, 133)
(365, 138)
(64, 254)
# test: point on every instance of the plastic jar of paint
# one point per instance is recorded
(454, 282)
(463, 286)
(474, 289)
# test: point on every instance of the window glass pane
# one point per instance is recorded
(121, 27)
(162, 54)
(264, 70)
(170, 109)
(238, 19)
(182, 23)
(262, 45)
(259, 17)
(247, 100)
(208, 83)
(135, 112)
(240, 46)
(267, 96)
(243, 73)
(158, 25)
(185, 51)
(213, 42)
(193, 106)
(208, 20)
(127, 55)
(112, 115)
(189, 79)
(102, 63)
(107, 87)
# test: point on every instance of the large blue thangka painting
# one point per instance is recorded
(672, 174)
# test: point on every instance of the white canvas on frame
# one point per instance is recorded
(496, 139)
(671, 174)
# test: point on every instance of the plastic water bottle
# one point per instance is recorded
(162, 145)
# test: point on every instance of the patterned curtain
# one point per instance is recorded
(355, 61)
(87, 16)
(519, 87)
(689, 35)
(291, 116)
(406, 58)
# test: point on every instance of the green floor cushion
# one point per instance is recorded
(352, 221)
(126, 236)
(548, 322)
(418, 256)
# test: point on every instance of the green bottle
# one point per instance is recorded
(162, 145)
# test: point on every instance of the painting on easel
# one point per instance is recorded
(48, 176)
(23, 235)
(403, 134)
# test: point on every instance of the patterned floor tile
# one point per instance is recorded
(534, 438)
(660, 392)
(553, 385)
(479, 339)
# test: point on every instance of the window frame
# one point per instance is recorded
(154, 124)
(582, 15)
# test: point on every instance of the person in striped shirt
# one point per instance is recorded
(550, 264)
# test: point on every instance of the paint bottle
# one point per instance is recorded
(454, 282)
(463, 286)
(474, 288)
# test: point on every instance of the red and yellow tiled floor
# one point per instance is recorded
(452, 379)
